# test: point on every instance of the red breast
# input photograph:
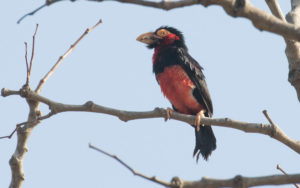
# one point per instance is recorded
(178, 88)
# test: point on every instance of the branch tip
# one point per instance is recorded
(31, 13)
(280, 169)
(4, 92)
(60, 59)
(36, 28)
(274, 126)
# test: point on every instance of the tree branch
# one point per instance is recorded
(61, 58)
(16, 160)
(29, 65)
(31, 13)
(205, 182)
(242, 182)
(261, 19)
(47, 3)
(292, 50)
(153, 179)
(268, 129)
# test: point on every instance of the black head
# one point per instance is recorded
(163, 36)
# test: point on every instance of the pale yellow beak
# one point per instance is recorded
(148, 38)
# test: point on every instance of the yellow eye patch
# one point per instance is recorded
(163, 32)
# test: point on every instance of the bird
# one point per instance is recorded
(182, 82)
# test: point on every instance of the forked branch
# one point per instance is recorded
(29, 65)
(268, 129)
(34, 117)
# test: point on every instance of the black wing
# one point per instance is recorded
(194, 71)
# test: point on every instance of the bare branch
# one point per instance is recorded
(240, 181)
(267, 129)
(275, 9)
(47, 3)
(29, 65)
(11, 134)
(205, 182)
(61, 58)
(40, 118)
(153, 179)
(32, 51)
(265, 112)
(31, 13)
(16, 160)
(293, 48)
(260, 18)
(279, 168)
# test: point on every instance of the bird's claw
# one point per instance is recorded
(198, 119)
(168, 113)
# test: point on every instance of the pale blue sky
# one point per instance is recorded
(246, 72)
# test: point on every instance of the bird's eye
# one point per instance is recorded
(163, 32)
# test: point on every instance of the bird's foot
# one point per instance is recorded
(198, 119)
(168, 113)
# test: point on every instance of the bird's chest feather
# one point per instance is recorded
(178, 88)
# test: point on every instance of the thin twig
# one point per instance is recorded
(51, 113)
(11, 134)
(275, 129)
(265, 112)
(31, 13)
(61, 58)
(279, 168)
(29, 65)
(153, 179)
(32, 51)
(47, 3)
(17, 127)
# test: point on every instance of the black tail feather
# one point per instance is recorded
(205, 142)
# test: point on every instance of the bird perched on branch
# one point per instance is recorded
(181, 80)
